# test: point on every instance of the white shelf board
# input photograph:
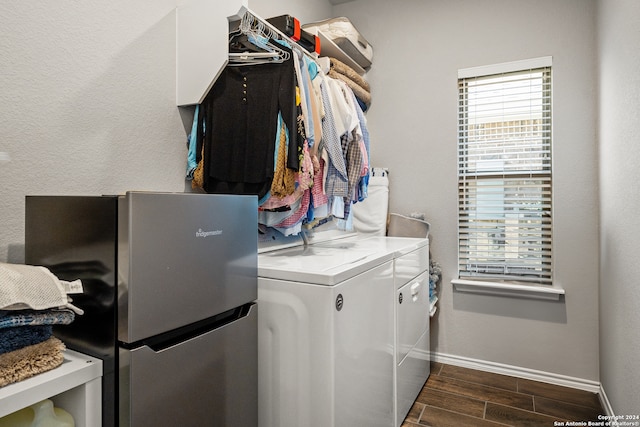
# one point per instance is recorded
(329, 48)
(76, 370)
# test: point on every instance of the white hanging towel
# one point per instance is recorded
(370, 215)
(32, 287)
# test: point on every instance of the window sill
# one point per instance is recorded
(508, 289)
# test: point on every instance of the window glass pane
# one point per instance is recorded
(504, 170)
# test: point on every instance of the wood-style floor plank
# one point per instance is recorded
(567, 411)
(437, 417)
(517, 417)
(462, 404)
(480, 392)
(436, 367)
(556, 392)
(456, 396)
(487, 378)
(414, 413)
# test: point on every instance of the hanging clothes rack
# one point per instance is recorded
(202, 48)
(252, 24)
(288, 129)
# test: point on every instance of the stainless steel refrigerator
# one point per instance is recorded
(170, 289)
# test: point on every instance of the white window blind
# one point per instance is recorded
(504, 175)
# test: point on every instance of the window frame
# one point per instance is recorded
(544, 288)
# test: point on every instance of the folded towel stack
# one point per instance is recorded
(359, 86)
(32, 300)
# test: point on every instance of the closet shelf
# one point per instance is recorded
(329, 48)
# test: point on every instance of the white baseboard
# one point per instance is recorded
(516, 371)
(604, 401)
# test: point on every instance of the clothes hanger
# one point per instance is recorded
(251, 43)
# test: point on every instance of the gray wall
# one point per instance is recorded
(419, 46)
(619, 38)
(87, 104)
(304, 10)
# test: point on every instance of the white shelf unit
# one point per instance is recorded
(74, 386)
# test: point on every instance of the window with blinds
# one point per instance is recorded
(504, 173)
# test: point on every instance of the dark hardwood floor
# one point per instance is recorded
(455, 396)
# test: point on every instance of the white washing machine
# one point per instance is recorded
(328, 349)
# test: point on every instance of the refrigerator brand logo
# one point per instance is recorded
(201, 233)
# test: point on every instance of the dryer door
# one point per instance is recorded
(412, 345)
(412, 301)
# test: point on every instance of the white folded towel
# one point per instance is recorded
(32, 287)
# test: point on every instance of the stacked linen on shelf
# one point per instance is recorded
(32, 300)
(355, 81)
(347, 39)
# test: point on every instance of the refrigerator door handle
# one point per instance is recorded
(175, 337)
